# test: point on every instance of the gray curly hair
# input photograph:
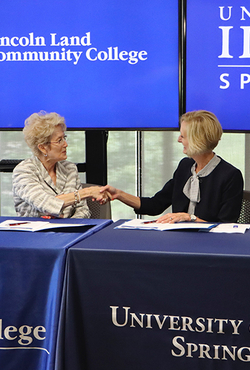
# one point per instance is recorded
(39, 128)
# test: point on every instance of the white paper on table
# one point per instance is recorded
(152, 225)
(20, 225)
(230, 228)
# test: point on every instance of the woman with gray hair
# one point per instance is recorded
(46, 184)
(204, 186)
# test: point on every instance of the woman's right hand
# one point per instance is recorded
(95, 194)
(110, 190)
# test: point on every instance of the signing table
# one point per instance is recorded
(163, 300)
(32, 268)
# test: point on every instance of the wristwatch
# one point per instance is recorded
(193, 218)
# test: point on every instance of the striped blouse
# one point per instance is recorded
(35, 193)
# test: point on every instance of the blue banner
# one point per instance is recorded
(101, 64)
(218, 60)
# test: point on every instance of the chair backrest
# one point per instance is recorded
(244, 217)
(98, 211)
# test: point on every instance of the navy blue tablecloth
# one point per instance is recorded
(32, 268)
(175, 300)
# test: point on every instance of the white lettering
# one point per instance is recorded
(239, 354)
(149, 325)
(221, 327)
(88, 54)
(235, 327)
(37, 330)
(39, 41)
(223, 79)
(174, 323)
(30, 56)
(23, 41)
(201, 350)
(42, 56)
(225, 42)
(25, 339)
(24, 334)
(139, 321)
(200, 325)
(4, 41)
(70, 41)
(160, 324)
(13, 56)
(76, 55)
(204, 351)
(210, 322)
(244, 10)
(114, 315)
(230, 353)
(183, 323)
(53, 40)
(178, 346)
(186, 322)
(12, 41)
(113, 54)
(2, 56)
(192, 347)
(246, 43)
(8, 330)
(244, 79)
(222, 12)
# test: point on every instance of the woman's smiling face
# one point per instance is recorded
(183, 137)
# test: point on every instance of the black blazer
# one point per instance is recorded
(220, 192)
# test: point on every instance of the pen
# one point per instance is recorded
(149, 222)
(19, 223)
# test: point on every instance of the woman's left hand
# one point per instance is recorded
(172, 218)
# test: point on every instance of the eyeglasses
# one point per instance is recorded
(59, 141)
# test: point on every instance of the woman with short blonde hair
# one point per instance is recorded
(204, 186)
(204, 131)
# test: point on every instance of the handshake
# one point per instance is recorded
(101, 194)
(104, 194)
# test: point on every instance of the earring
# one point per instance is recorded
(46, 155)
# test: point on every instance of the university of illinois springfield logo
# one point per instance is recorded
(24, 336)
(235, 24)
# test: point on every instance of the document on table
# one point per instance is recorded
(18, 225)
(152, 225)
(230, 228)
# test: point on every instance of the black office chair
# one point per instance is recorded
(98, 211)
(244, 217)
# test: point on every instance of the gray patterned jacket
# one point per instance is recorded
(35, 193)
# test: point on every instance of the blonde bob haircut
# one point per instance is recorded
(203, 131)
(39, 128)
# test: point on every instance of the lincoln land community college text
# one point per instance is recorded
(111, 53)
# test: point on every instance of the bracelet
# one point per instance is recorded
(76, 199)
(79, 196)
